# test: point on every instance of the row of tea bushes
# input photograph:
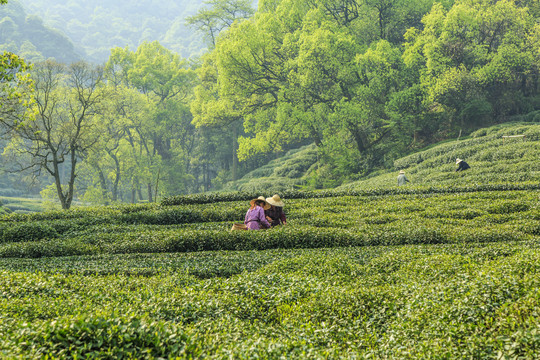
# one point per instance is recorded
(411, 302)
(232, 206)
(41, 226)
(360, 214)
(300, 236)
(202, 265)
(207, 198)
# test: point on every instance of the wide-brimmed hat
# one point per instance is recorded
(402, 171)
(458, 160)
(275, 200)
(261, 198)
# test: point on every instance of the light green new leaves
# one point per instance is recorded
(160, 71)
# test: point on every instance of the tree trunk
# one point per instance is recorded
(117, 178)
(234, 153)
(103, 184)
(58, 182)
(204, 177)
(72, 176)
(138, 188)
(150, 196)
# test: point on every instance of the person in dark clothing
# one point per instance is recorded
(275, 214)
(462, 165)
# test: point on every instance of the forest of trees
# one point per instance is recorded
(366, 81)
(27, 36)
(97, 26)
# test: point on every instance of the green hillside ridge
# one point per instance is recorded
(285, 173)
(492, 160)
(27, 36)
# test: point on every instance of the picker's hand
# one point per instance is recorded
(268, 218)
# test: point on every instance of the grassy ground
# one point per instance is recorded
(21, 205)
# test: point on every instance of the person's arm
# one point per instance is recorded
(267, 215)
(246, 218)
(262, 218)
(283, 218)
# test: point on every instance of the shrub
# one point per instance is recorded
(27, 231)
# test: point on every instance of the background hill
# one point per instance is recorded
(287, 172)
(99, 25)
(491, 160)
(29, 37)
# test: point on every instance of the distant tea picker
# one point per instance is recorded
(462, 165)
(402, 179)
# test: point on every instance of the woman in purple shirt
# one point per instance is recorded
(255, 219)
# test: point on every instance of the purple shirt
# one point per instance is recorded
(255, 218)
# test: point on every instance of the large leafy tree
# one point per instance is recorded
(476, 60)
(159, 136)
(62, 129)
(219, 15)
(297, 71)
(210, 111)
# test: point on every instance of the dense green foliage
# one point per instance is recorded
(460, 279)
(27, 36)
(367, 81)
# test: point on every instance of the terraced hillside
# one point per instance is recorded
(493, 159)
(285, 173)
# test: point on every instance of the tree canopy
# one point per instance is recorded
(365, 81)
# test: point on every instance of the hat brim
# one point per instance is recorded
(275, 203)
(266, 204)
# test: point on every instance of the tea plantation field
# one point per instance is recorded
(492, 157)
(394, 273)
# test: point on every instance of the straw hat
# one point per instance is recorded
(275, 200)
(261, 198)
(458, 160)
(402, 171)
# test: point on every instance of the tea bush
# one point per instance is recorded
(416, 301)
(398, 273)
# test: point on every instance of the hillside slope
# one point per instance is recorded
(493, 159)
(98, 25)
(26, 35)
(285, 173)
